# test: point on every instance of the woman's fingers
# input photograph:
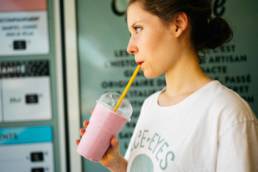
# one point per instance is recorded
(85, 123)
(82, 131)
(114, 142)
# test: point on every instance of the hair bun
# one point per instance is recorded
(219, 32)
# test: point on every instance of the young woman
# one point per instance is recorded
(194, 124)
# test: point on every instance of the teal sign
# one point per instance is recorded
(26, 135)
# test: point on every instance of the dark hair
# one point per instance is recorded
(206, 32)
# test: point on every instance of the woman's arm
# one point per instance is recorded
(238, 150)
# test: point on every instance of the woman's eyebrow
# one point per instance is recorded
(135, 23)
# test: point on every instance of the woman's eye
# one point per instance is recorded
(137, 29)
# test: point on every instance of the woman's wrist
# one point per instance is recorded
(121, 165)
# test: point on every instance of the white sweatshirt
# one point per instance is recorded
(212, 130)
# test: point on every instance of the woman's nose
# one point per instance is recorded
(131, 47)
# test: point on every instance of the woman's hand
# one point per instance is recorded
(112, 159)
(82, 130)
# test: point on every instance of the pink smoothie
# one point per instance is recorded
(104, 123)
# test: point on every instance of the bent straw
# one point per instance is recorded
(128, 85)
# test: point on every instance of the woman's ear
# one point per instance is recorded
(180, 23)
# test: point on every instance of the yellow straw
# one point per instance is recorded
(127, 88)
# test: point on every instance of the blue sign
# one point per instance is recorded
(25, 135)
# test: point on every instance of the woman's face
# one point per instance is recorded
(152, 42)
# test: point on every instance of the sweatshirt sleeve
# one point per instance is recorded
(238, 148)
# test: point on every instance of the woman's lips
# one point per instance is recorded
(139, 62)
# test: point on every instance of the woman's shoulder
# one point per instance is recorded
(226, 96)
(230, 111)
(227, 101)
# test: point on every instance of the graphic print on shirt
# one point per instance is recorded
(142, 162)
(155, 151)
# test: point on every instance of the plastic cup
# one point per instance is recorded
(104, 123)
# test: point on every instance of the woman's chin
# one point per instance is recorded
(149, 75)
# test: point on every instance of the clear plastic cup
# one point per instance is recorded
(104, 123)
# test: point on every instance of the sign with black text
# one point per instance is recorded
(23, 27)
(26, 149)
(25, 90)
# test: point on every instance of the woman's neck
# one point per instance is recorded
(185, 76)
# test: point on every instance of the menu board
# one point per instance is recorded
(106, 66)
(27, 149)
(23, 27)
(32, 120)
(25, 90)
